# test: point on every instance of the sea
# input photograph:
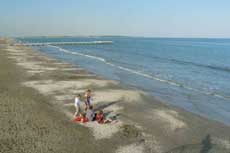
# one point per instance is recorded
(190, 73)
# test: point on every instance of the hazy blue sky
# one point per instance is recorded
(154, 18)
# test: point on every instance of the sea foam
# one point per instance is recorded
(140, 73)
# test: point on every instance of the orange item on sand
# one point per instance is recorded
(77, 119)
(80, 119)
(83, 120)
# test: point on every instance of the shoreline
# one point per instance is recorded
(145, 123)
(191, 98)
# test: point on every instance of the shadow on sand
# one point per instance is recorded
(206, 144)
(204, 147)
(103, 106)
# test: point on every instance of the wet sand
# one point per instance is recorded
(37, 105)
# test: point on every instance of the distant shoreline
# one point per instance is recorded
(147, 37)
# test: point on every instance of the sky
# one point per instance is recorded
(148, 18)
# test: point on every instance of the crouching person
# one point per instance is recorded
(90, 113)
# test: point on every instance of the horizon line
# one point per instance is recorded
(116, 36)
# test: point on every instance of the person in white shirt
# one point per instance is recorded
(77, 105)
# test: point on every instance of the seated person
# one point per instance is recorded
(90, 113)
(99, 117)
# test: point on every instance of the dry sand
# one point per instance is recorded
(170, 118)
(133, 148)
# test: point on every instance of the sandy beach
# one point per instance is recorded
(37, 106)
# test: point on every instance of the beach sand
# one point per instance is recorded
(37, 94)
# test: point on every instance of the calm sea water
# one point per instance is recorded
(193, 74)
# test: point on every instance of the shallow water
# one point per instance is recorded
(193, 74)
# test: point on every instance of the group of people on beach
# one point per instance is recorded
(87, 114)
